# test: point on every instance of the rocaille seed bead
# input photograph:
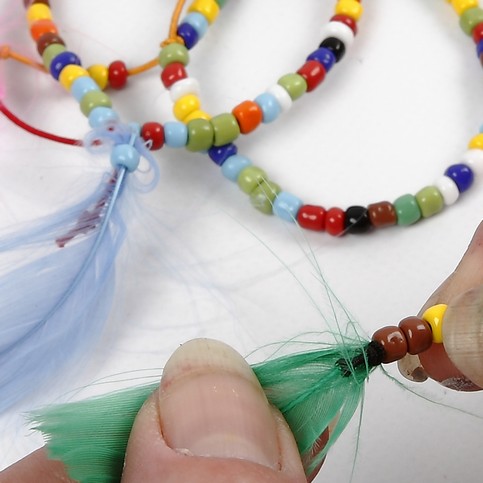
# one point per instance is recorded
(351, 8)
(47, 39)
(94, 99)
(281, 96)
(174, 52)
(70, 73)
(172, 73)
(382, 214)
(325, 56)
(225, 129)
(63, 60)
(476, 142)
(294, 84)
(407, 210)
(50, 53)
(250, 177)
(462, 175)
(100, 73)
(478, 33)
(198, 22)
(356, 220)
(393, 341)
(334, 221)
(312, 217)
(186, 105)
(184, 87)
(339, 31)
(313, 72)
(219, 154)
(350, 22)
(233, 166)
(286, 206)
(189, 35)
(335, 45)
(208, 8)
(248, 115)
(117, 74)
(175, 134)
(418, 334)
(434, 317)
(100, 116)
(430, 201)
(263, 196)
(41, 27)
(126, 156)
(200, 135)
(470, 18)
(153, 132)
(448, 189)
(81, 86)
(38, 11)
(474, 159)
(461, 5)
(269, 106)
(198, 114)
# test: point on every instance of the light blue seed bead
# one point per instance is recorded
(175, 134)
(125, 156)
(198, 22)
(269, 105)
(82, 86)
(233, 165)
(286, 206)
(100, 116)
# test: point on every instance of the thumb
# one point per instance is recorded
(210, 422)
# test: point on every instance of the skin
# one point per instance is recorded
(209, 421)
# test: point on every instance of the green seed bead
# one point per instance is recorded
(470, 18)
(174, 53)
(226, 129)
(407, 210)
(294, 84)
(94, 99)
(200, 135)
(221, 3)
(50, 53)
(263, 196)
(430, 201)
(250, 178)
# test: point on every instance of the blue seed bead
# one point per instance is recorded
(233, 165)
(175, 134)
(479, 48)
(198, 22)
(269, 105)
(286, 206)
(219, 154)
(62, 60)
(100, 116)
(462, 175)
(188, 34)
(324, 56)
(82, 86)
(125, 156)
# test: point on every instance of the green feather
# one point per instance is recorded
(312, 390)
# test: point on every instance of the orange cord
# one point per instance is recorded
(7, 53)
(173, 26)
(144, 67)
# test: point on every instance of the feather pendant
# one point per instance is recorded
(54, 304)
(314, 391)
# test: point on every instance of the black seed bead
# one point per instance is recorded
(335, 45)
(356, 220)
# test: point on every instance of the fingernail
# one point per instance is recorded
(211, 404)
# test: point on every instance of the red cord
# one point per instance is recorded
(37, 132)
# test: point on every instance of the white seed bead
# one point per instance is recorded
(448, 189)
(282, 96)
(474, 159)
(184, 87)
(340, 31)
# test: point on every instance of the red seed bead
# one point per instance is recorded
(478, 33)
(334, 221)
(311, 217)
(41, 27)
(418, 334)
(249, 116)
(153, 132)
(313, 72)
(117, 74)
(350, 22)
(173, 73)
(382, 214)
(393, 341)
(48, 39)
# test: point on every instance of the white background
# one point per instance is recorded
(388, 120)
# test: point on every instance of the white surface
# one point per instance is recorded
(389, 119)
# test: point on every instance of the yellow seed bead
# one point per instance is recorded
(70, 73)
(351, 8)
(461, 6)
(100, 73)
(434, 317)
(208, 8)
(196, 115)
(476, 142)
(38, 11)
(186, 105)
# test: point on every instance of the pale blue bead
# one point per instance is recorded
(233, 165)
(175, 134)
(126, 156)
(269, 105)
(83, 85)
(286, 206)
(100, 116)
(198, 22)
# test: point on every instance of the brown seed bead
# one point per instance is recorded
(393, 341)
(382, 214)
(418, 334)
(47, 39)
